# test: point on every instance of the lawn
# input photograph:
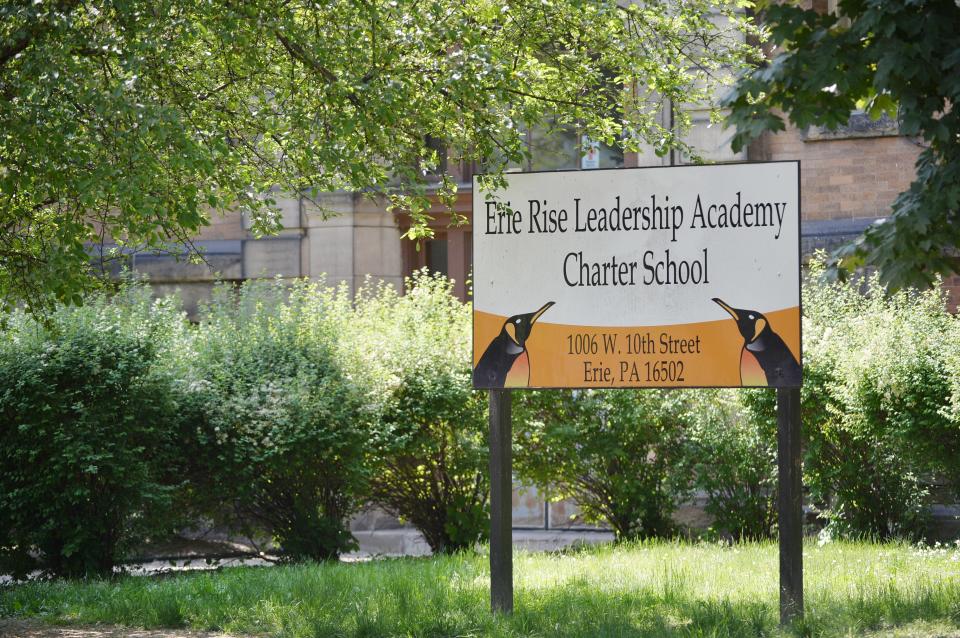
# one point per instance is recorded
(652, 589)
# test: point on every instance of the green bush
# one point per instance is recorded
(89, 434)
(292, 405)
(281, 427)
(732, 459)
(878, 364)
(616, 452)
(430, 432)
(877, 418)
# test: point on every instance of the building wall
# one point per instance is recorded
(849, 179)
(341, 237)
(853, 176)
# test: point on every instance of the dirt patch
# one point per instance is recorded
(24, 629)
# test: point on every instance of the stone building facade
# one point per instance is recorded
(352, 239)
(849, 178)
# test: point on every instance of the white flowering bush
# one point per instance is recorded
(429, 428)
(280, 426)
(880, 426)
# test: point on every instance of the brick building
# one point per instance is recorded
(849, 179)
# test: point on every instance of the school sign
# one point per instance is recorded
(651, 277)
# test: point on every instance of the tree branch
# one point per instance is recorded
(35, 29)
(298, 53)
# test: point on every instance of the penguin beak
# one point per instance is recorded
(537, 314)
(733, 313)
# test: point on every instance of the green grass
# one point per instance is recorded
(655, 589)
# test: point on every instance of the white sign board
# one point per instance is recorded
(647, 277)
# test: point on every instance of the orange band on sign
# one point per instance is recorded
(705, 354)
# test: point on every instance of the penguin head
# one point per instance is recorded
(751, 323)
(518, 327)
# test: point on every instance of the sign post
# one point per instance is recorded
(789, 504)
(662, 277)
(501, 510)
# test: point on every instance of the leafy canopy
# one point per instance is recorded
(900, 57)
(131, 122)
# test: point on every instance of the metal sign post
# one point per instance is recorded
(501, 501)
(789, 504)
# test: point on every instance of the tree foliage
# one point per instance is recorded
(614, 452)
(131, 122)
(901, 58)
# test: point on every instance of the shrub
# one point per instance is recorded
(285, 447)
(430, 432)
(879, 362)
(88, 434)
(732, 459)
(614, 452)
(875, 405)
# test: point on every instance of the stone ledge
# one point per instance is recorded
(860, 125)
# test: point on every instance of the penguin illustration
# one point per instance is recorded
(505, 363)
(765, 358)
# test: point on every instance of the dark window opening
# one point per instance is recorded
(436, 144)
(436, 253)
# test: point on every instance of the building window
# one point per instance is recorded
(553, 148)
(436, 254)
(561, 148)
